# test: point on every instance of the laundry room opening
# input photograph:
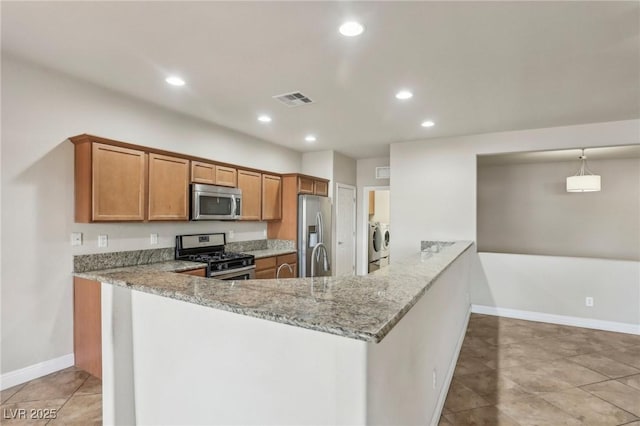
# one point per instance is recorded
(378, 232)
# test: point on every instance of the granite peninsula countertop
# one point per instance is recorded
(260, 254)
(359, 307)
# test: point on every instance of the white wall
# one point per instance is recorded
(40, 109)
(433, 196)
(366, 177)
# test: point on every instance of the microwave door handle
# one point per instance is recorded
(235, 206)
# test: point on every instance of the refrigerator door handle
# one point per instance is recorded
(320, 227)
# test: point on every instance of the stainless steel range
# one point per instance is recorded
(209, 249)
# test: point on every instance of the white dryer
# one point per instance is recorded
(376, 241)
(384, 231)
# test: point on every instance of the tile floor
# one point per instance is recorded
(67, 397)
(510, 372)
(514, 372)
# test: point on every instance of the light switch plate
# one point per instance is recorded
(103, 241)
(76, 238)
(153, 239)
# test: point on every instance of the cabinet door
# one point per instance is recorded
(305, 185)
(251, 185)
(271, 197)
(285, 273)
(321, 188)
(168, 188)
(118, 176)
(201, 272)
(266, 274)
(226, 176)
(265, 263)
(203, 172)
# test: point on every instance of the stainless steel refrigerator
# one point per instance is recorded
(314, 236)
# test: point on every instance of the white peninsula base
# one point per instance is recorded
(171, 362)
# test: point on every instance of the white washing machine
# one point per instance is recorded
(376, 241)
(384, 231)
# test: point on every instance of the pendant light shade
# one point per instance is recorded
(584, 180)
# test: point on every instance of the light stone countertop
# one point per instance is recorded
(359, 307)
(259, 254)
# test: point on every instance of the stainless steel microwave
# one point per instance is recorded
(210, 202)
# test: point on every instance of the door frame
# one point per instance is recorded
(355, 224)
(364, 216)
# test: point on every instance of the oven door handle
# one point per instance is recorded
(232, 271)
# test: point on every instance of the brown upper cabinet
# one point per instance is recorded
(213, 174)
(110, 183)
(251, 185)
(294, 184)
(168, 188)
(118, 181)
(321, 187)
(314, 186)
(203, 172)
(306, 185)
(271, 197)
(226, 176)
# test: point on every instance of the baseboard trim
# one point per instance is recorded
(596, 324)
(17, 377)
(449, 377)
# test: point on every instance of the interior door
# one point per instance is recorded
(345, 258)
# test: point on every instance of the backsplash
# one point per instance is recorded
(97, 261)
(93, 262)
(244, 246)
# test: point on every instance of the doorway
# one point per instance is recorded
(374, 245)
(345, 220)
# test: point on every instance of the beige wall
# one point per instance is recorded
(40, 109)
(433, 197)
(381, 207)
(525, 208)
(344, 169)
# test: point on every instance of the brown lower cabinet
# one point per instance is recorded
(87, 323)
(267, 267)
(201, 272)
(87, 326)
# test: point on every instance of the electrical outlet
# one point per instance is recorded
(588, 302)
(103, 241)
(230, 235)
(264, 233)
(76, 238)
(435, 378)
(153, 239)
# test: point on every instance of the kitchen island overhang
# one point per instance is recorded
(352, 350)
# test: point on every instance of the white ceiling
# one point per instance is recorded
(474, 67)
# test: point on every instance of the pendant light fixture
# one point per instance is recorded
(584, 180)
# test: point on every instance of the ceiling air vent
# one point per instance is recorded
(293, 99)
(383, 172)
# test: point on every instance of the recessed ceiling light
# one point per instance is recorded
(428, 123)
(404, 94)
(310, 138)
(351, 29)
(264, 118)
(175, 81)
